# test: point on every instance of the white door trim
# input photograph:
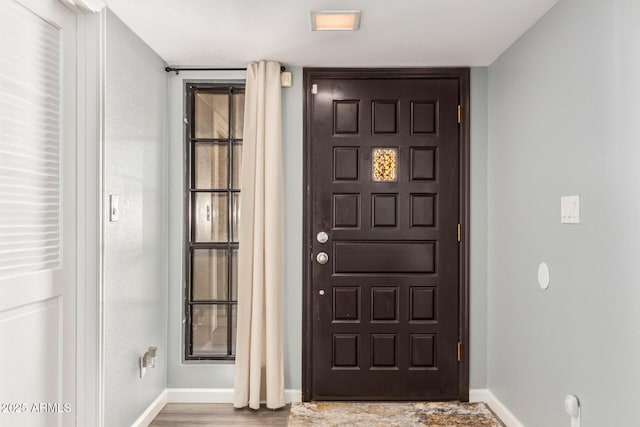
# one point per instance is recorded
(90, 125)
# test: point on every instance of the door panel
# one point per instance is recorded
(383, 167)
(368, 257)
(38, 210)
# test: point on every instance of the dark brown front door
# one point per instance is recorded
(384, 312)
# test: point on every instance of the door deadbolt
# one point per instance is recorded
(322, 258)
(322, 237)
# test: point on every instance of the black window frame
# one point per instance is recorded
(190, 191)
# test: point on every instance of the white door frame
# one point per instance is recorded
(89, 297)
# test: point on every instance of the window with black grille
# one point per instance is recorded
(214, 154)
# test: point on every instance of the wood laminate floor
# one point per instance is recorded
(218, 414)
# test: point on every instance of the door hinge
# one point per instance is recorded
(314, 89)
(459, 351)
(459, 113)
(459, 232)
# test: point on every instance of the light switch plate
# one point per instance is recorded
(114, 210)
(570, 209)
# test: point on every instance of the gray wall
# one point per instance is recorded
(292, 131)
(478, 238)
(135, 247)
(563, 120)
(220, 375)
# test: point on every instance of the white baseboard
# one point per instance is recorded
(216, 395)
(485, 395)
(152, 411)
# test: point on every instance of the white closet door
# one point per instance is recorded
(37, 213)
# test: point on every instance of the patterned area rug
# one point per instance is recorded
(449, 414)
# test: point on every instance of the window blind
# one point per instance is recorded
(30, 117)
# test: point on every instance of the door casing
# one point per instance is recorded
(463, 77)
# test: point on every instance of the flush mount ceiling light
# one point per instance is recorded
(335, 20)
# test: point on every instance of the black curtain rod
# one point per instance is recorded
(178, 69)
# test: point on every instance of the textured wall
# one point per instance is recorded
(292, 133)
(135, 247)
(478, 209)
(563, 120)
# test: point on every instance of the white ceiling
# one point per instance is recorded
(392, 32)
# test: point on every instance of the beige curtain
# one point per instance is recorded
(259, 373)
